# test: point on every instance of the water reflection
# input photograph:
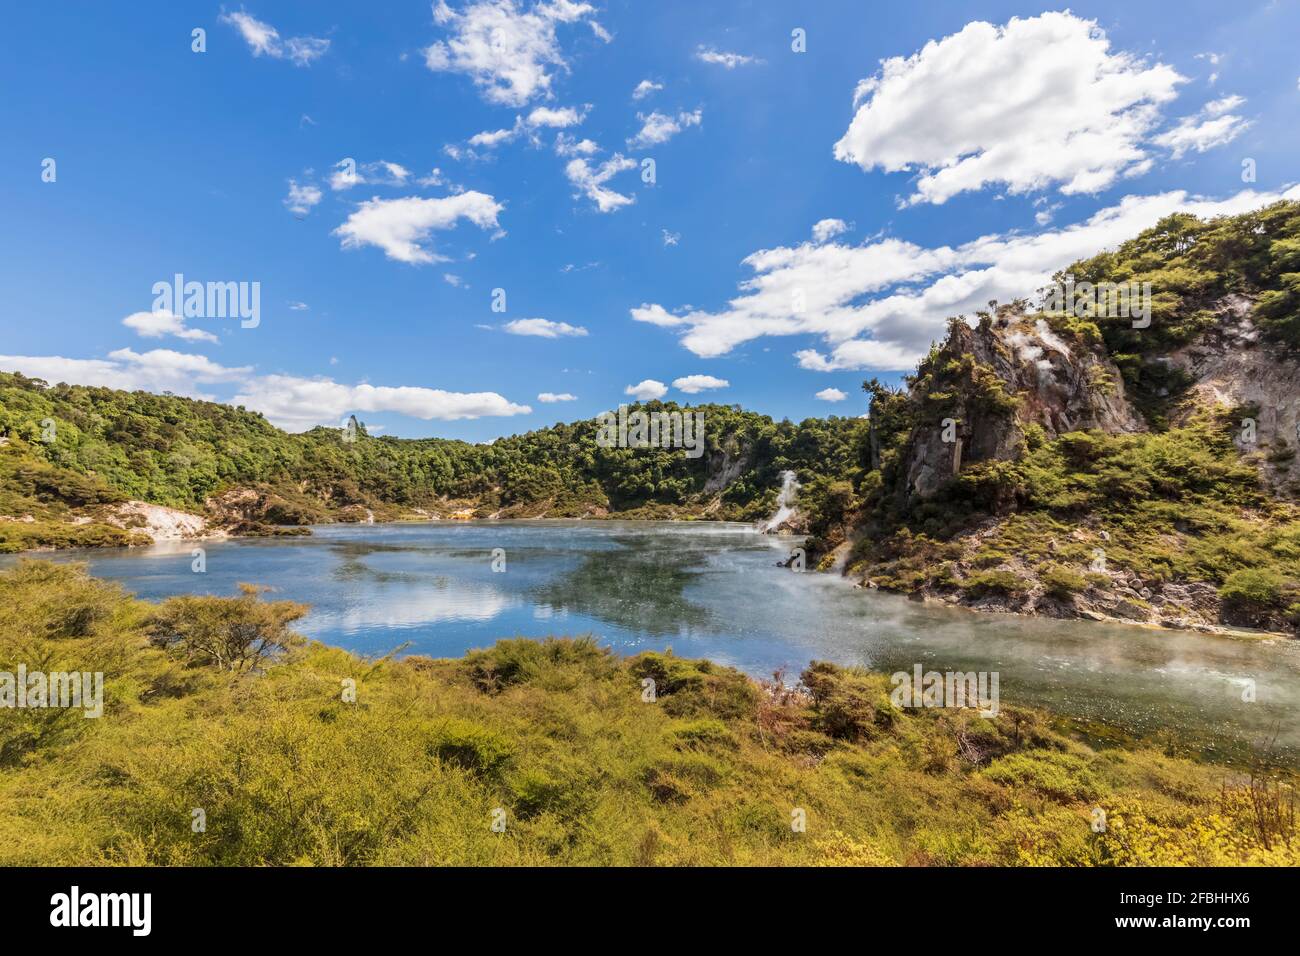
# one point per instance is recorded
(717, 591)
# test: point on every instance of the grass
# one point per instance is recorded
(289, 752)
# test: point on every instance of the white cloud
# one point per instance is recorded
(694, 384)
(298, 306)
(828, 229)
(288, 401)
(1215, 125)
(543, 328)
(264, 40)
(156, 325)
(671, 238)
(401, 226)
(510, 53)
(555, 119)
(831, 395)
(301, 198)
(492, 138)
(880, 304)
(591, 182)
(298, 403)
(566, 146)
(646, 390)
(347, 173)
(661, 127)
(1038, 102)
(158, 370)
(645, 88)
(542, 117)
(550, 398)
(728, 60)
(453, 280)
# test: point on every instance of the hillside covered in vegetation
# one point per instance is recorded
(1076, 463)
(107, 446)
(227, 740)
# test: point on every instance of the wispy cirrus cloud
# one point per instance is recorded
(1214, 125)
(729, 61)
(264, 40)
(544, 328)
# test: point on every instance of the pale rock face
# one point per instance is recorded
(1061, 387)
(724, 468)
(1231, 368)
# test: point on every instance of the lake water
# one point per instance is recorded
(716, 591)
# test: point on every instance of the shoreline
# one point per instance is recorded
(920, 596)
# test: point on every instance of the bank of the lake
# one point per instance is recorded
(717, 591)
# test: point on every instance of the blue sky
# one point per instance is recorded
(990, 144)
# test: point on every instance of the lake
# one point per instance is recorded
(716, 591)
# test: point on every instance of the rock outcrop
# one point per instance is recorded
(990, 381)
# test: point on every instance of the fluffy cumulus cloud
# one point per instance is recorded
(1215, 125)
(298, 403)
(301, 199)
(645, 88)
(694, 384)
(288, 401)
(646, 390)
(831, 395)
(543, 328)
(828, 229)
(1039, 102)
(157, 370)
(156, 325)
(264, 40)
(509, 50)
(589, 181)
(568, 146)
(401, 227)
(550, 398)
(880, 304)
(660, 127)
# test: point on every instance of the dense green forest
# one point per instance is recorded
(108, 445)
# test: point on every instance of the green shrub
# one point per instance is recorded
(1057, 776)
(1004, 583)
(1253, 590)
(1062, 582)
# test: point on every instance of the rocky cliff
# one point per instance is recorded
(1017, 473)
